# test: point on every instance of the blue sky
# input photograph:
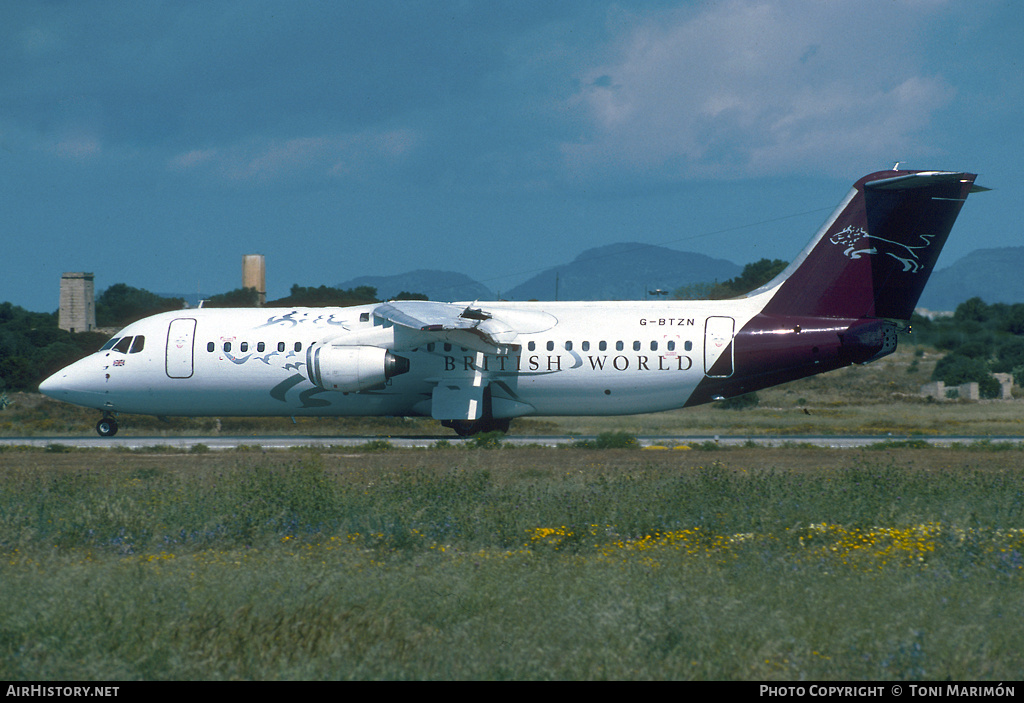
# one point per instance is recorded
(157, 143)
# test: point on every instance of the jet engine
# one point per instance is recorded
(352, 368)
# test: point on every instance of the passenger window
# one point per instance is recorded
(688, 346)
(260, 347)
(551, 346)
(671, 345)
(586, 346)
(210, 346)
(654, 346)
(532, 346)
(447, 346)
(619, 346)
(298, 346)
(138, 344)
(280, 346)
(123, 345)
(636, 346)
(227, 346)
(430, 346)
(602, 346)
(568, 346)
(243, 347)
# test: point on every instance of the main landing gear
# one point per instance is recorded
(107, 426)
(466, 428)
(486, 423)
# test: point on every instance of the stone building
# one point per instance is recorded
(77, 302)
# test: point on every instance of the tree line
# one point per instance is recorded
(979, 339)
(32, 347)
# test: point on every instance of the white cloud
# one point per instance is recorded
(74, 145)
(299, 158)
(192, 159)
(752, 87)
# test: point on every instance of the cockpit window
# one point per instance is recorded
(138, 344)
(123, 345)
(110, 343)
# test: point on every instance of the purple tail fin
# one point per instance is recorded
(875, 254)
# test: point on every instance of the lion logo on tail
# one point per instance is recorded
(858, 243)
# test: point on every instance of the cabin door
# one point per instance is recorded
(180, 338)
(718, 332)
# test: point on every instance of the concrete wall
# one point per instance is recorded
(968, 391)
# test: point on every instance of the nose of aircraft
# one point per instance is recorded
(79, 383)
(51, 385)
(60, 384)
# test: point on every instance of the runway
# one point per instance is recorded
(214, 443)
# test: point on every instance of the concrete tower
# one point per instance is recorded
(77, 303)
(254, 275)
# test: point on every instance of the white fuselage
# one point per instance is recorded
(567, 358)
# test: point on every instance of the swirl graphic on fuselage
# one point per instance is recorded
(267, 357)
(237, 359)
(292, 321)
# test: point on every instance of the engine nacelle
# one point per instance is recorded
(352, 368)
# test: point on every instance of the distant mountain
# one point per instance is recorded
(626, 271)
(994, 275)
(623, 271)
(436, 285)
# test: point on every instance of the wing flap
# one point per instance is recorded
(466, 326)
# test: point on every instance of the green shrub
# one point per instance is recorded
(609, 440)
(955, 369)
(486, 440)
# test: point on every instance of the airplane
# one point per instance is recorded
(475, 366)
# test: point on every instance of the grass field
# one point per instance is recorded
(891, 563)
(896, 562)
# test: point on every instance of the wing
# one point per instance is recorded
(465, 326)
(470, 395)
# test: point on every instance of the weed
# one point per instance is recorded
(486, 440)
(901, 444)
(609, 440)
(375, 445)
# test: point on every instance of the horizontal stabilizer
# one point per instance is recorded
(923, 179)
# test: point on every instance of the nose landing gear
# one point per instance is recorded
(107, 426)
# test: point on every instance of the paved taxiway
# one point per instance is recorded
(291, 441)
